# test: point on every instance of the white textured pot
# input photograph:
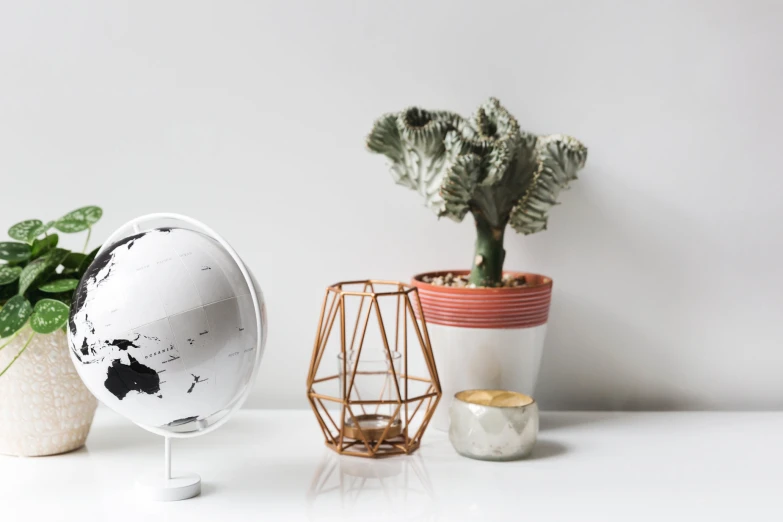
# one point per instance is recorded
(485, 338)
(44, 407)
(484, 358)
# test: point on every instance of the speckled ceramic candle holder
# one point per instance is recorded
(493, 424)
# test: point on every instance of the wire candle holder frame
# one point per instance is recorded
(403, 432)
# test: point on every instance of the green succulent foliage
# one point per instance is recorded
(560, 158)
(73, 260)
(59, 286)
(39, 269)
(37, 231)
(9, 274)
(79, 220)
(37, 278)
(15, 252)
(484, 165)
(48, 315)
(42, 246)
(88, 260)
(14, 315)
(21, 231)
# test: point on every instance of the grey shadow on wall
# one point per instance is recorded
(121, 437)
(594, 358)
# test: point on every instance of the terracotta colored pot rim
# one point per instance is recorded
(534, 282)
(509, 307)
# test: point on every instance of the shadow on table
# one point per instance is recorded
(119, 437)
(551, 421)
(546, 449)
(207, 489)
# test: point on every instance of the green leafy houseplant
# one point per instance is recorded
(486, 166)
(37, 278)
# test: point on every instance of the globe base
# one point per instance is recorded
(168, 490)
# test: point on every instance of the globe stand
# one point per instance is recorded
(168, 488)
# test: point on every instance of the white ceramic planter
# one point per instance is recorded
(44, 407)
(485, 338)
(484, 358)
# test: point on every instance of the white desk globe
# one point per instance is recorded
(167, 328)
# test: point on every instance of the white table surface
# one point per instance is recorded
(272, 465)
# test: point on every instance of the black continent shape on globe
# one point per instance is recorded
(123, 344)
(123, 378)
(90, 277)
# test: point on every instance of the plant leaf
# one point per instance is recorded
(79, 219)
(48, 316)
(59, 285)
(458, 186)
(12, 251)
(14, 315)
(73, 260)
(21, 231)
(71, 227)
(39, 268)
(9, 274)
(384, 138)
(560, 157)
(413, 141)
(42, 246)
(34, 270)
(37, 231)
(88, 260)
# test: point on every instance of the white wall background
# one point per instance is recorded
(251, 116)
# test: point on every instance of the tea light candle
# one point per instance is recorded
(372, 425)
(493, 424)
(372, 379)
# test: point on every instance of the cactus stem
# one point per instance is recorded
(488, 260)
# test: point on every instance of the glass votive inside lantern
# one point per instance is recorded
(372, 388)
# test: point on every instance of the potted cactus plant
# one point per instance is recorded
(44, 407)
(487, 326)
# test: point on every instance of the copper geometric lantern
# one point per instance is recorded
(386, 387)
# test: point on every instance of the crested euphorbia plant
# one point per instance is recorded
(485, 166)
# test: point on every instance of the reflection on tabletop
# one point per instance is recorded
(348, 488)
